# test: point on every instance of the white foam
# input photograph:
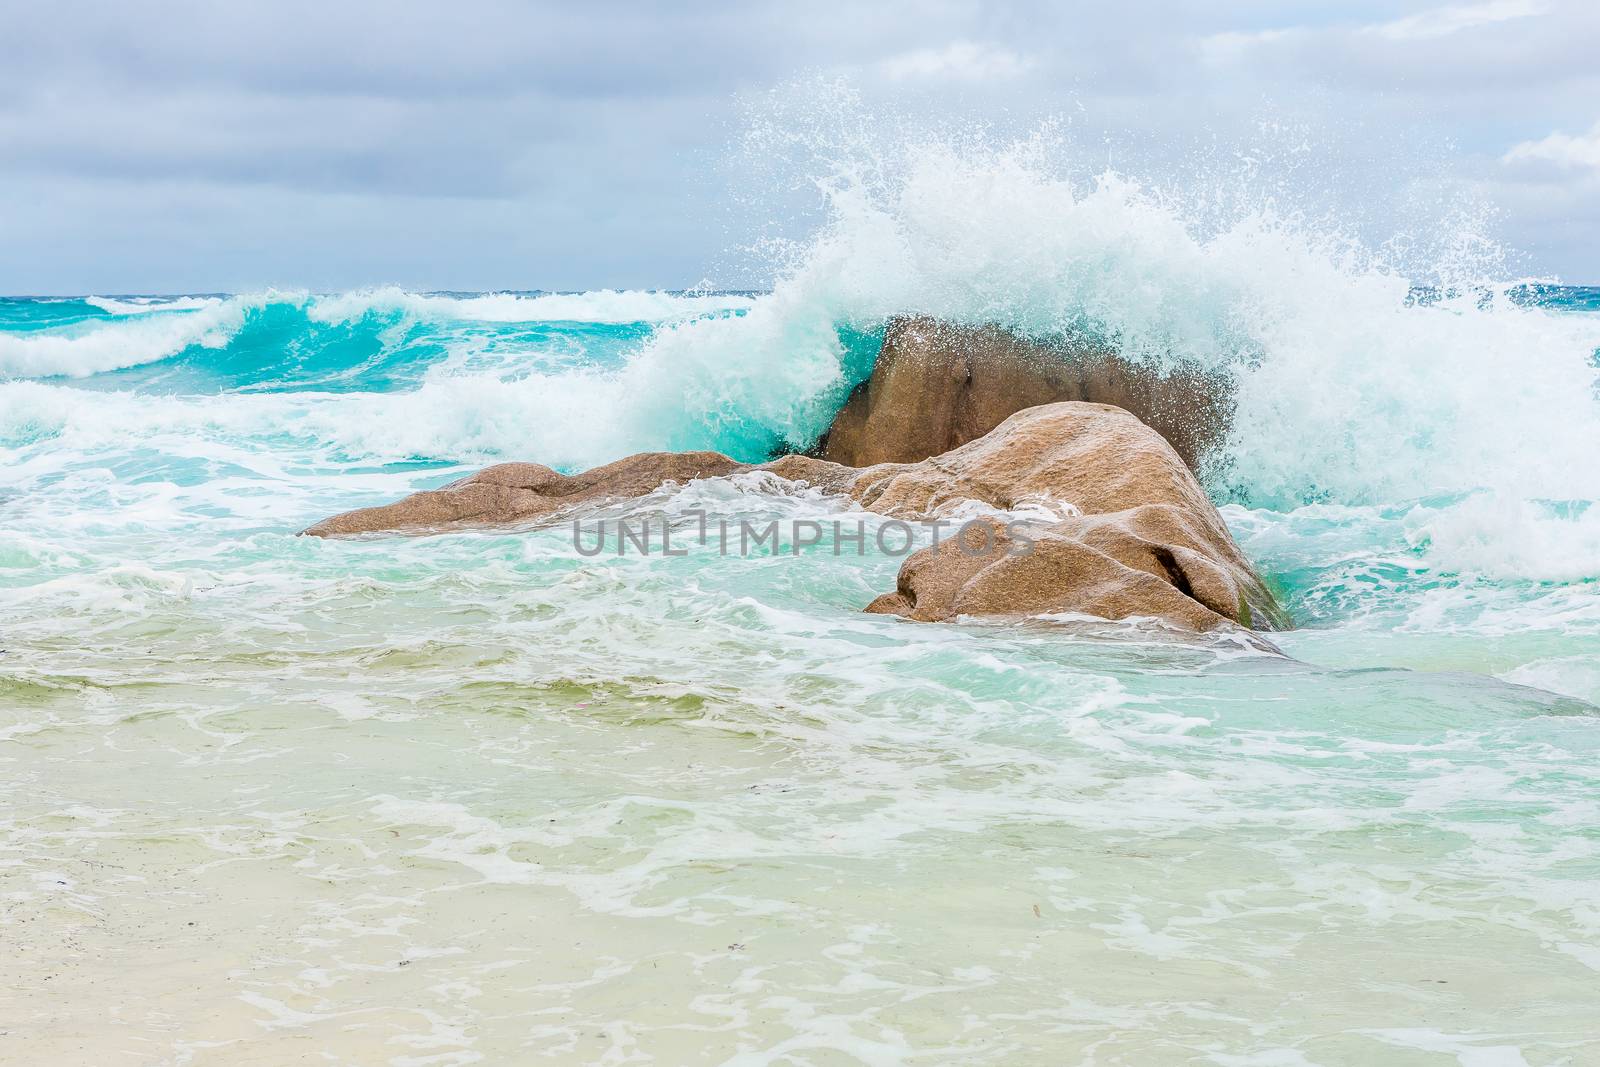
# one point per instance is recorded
(1573, 676)
(604, 306)
(1503, 536)
(95, 347)
(143, 305)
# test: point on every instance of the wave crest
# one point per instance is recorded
(134, 331)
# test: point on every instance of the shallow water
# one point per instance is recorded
(476, 796)
(479, 798)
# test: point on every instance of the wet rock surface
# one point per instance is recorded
(937, 385)
(511, 493)
(1081, 509)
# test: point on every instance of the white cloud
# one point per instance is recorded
(958, 61)
(1443, 21)
(1222, 48)
(1562, 149)
(1219, 48)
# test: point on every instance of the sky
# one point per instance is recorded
(209, 147)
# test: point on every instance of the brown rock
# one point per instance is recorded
(1094, 457)
(937, 385)
(829, 477)
(510, 493)
(1145, 540)
(1127, 530)
(1100, 566)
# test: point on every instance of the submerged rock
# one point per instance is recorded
(1080, 508)
(937, 385)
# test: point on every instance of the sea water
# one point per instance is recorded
(479, 797)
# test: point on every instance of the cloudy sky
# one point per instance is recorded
(184, 147)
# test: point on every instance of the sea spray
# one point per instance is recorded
(1348, 389)
(1465, 401)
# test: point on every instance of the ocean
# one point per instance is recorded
(479, 797)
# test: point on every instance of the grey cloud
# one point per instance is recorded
(492, 143)
(471, 48)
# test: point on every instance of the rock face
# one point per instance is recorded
(1117, 525)
(1145, 539)
(511, 493)
(1149, 563)
(937, 386)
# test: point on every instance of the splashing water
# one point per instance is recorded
(478, 797)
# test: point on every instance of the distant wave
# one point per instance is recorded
(99, 345)
(143, 305)
(150, 329)
(603, 306)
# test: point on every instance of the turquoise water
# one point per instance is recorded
(478, 798)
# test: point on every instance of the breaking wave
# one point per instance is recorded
(1357, 384)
